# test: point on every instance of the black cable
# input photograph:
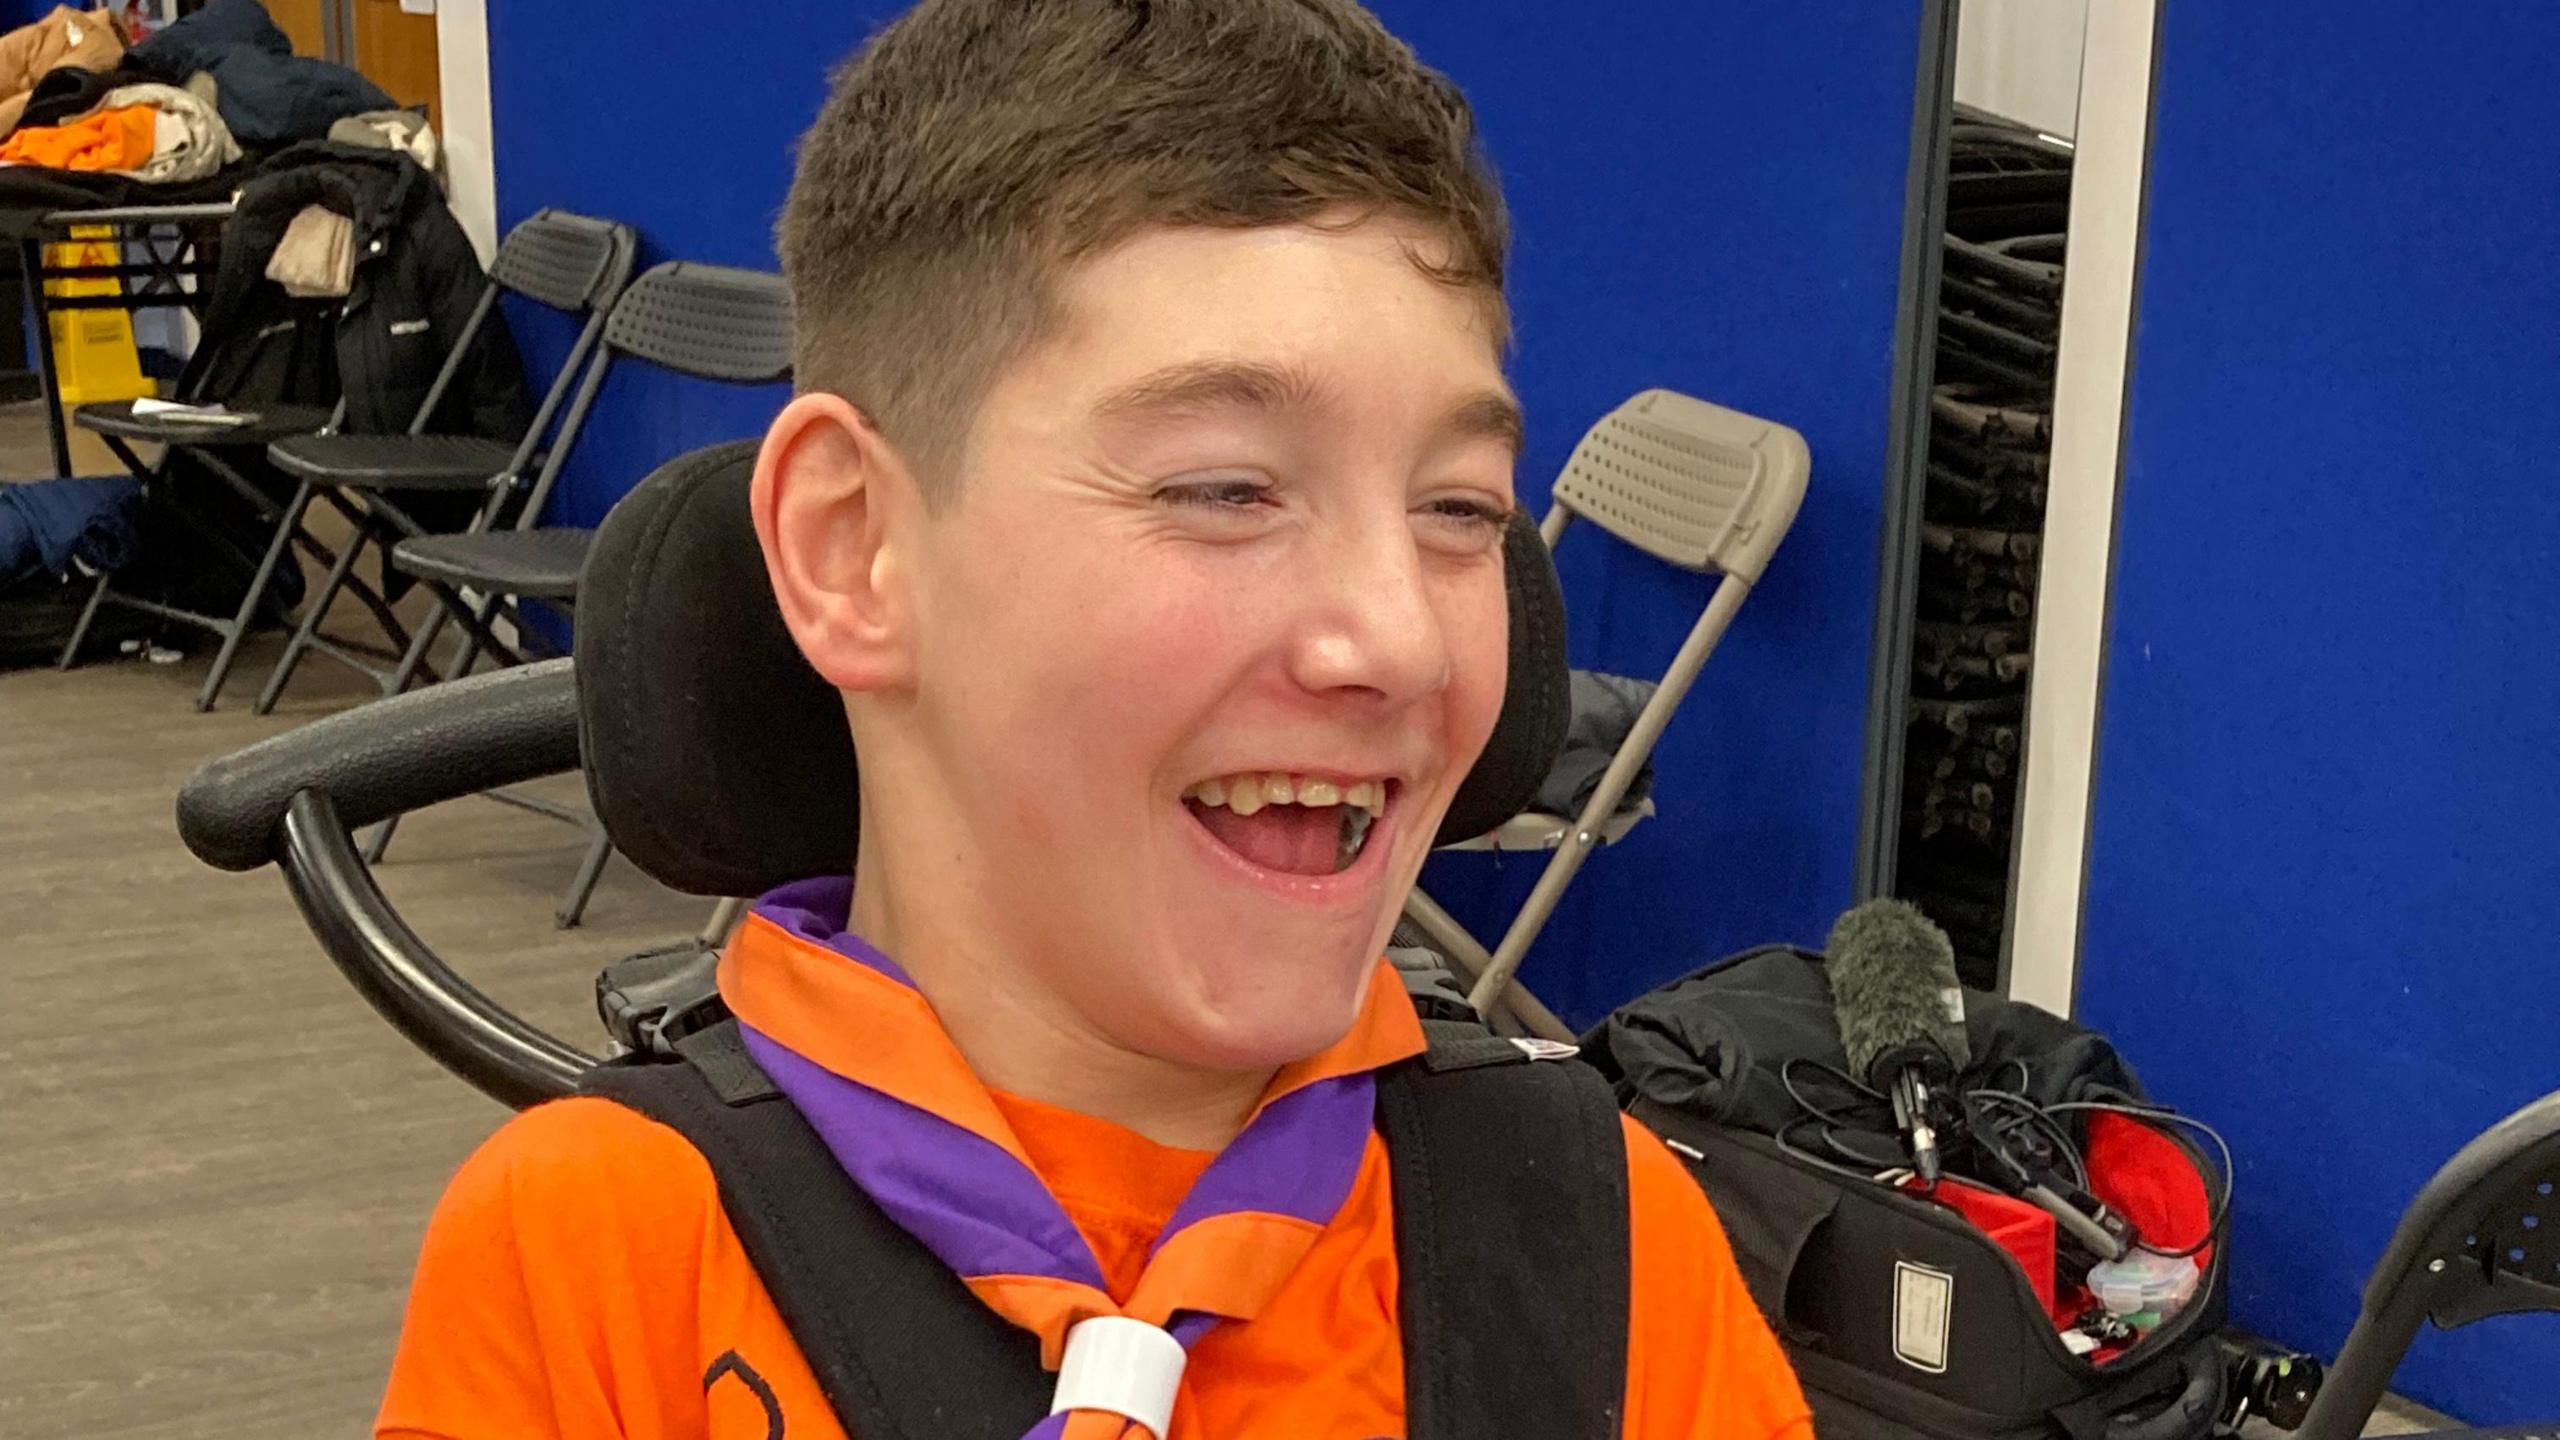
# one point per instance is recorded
(1833, 1073)
(2024, 1113)
(1872, 1165)
(2032, 1116)
(1835, 1121)
(2160, 1119)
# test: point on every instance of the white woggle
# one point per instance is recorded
(1126, 1367)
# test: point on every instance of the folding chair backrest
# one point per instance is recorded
(708, 321)
(1705, 488)
(575, 264)
(711, 322)
(1687, 481)
(572, 263)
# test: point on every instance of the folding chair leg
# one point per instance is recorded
(379, 841)
(80, 631)
(414, 659)
(378, 844)
(474, 621)
(590, 870)
(304, 633)
(1465, 952)
(1543, 897)
(1631, 754)
(724, 918)
(278, 546)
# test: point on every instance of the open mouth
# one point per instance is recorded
(1294, 824)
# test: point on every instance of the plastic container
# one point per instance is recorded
(2143, 1288)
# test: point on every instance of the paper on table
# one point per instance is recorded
(418, 7)
(147, 408)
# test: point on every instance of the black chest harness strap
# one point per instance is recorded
(1510, 1182)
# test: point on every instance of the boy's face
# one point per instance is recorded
(1238, 516)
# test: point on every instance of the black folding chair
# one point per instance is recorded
(205, 444)
(174, 278)
(708, 322)
(2481, 1239)
(571, 263)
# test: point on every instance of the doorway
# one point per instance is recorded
(391, 42)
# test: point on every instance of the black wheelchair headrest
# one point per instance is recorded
(719, 760)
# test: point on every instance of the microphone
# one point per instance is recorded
(1901, 1012)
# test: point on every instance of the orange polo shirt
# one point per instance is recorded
(580, 1281)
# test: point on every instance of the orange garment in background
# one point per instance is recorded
(119, 139)
(579, 1282)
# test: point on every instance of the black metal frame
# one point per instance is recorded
(403, 978)
(1915, 343)
(296, 799)
(154, 480)
(2453, 1259)
(181, 249)
(168, 279)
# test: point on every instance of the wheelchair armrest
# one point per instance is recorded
(384, 759)
(295, 799)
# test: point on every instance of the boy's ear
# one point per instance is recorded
(827, 489)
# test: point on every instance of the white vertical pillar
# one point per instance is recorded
(2051, 878)
(462, 62)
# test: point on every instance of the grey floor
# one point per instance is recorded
(215, 1162)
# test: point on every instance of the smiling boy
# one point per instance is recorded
(1144, 498)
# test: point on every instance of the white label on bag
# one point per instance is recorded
(1924, 1303)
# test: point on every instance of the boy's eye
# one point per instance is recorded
(1220, 494)
(1464, 524)
(1479, 514)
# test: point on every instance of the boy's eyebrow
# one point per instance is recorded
(1490, 415)
(1206, 384)
(1256, 385)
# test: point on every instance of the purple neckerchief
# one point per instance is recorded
(984, 1213)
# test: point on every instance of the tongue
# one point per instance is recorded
(1294, 839)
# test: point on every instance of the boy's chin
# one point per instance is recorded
(1271, 1029)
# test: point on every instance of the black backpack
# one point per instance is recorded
(1511, 1240)
(1849, 1272)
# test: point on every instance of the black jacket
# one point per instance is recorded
(416, 280)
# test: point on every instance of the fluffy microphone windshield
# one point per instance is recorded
(1894, 985)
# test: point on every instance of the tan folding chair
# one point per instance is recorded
(1692, 483)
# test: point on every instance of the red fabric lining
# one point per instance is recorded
(2149, 1179)
(2136, 1170)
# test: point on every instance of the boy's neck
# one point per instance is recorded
(1024, 1048)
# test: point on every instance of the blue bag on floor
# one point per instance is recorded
(47, 525)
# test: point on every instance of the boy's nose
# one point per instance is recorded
(1369, 624)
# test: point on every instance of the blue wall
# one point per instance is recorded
(678, 121)
(1708, 197)
(2323, 864)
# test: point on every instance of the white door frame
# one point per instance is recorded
(2050, 875)
(462, 67)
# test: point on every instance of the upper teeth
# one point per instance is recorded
(1249, 792)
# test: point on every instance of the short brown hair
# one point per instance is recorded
(975, 146)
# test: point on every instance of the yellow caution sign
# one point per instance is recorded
(93, 354)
